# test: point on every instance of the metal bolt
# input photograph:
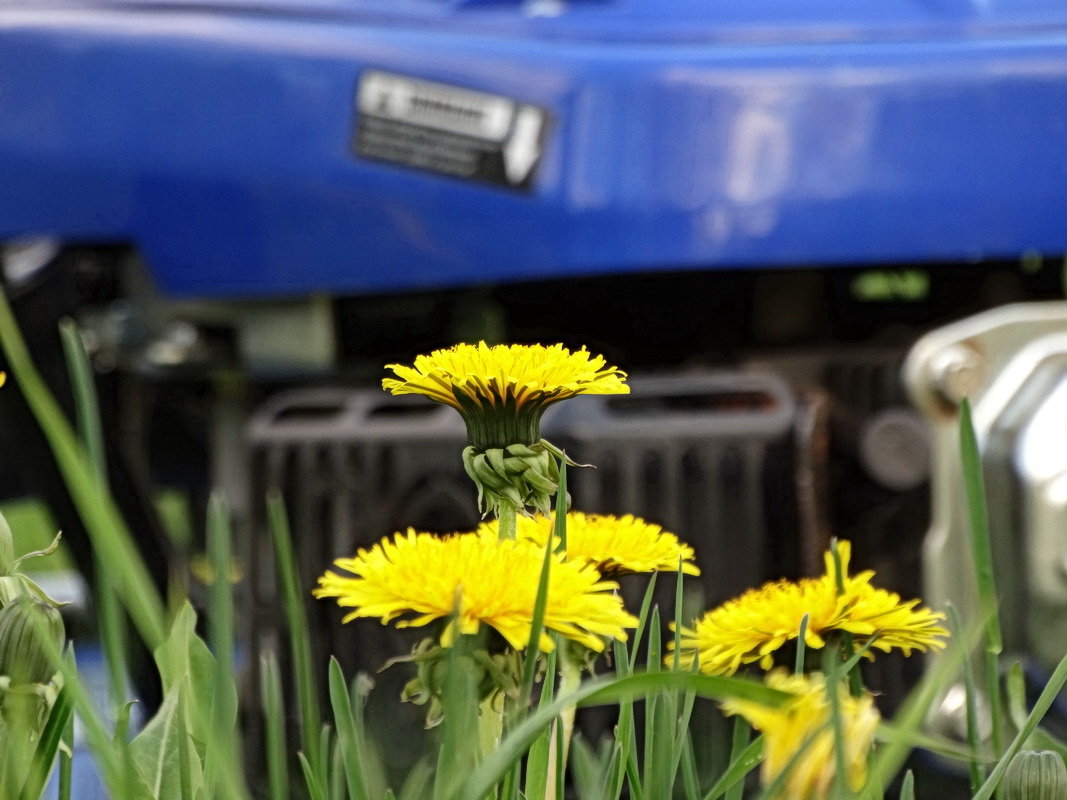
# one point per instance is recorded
(957, 372)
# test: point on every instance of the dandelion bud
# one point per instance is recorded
(519, 475)
(24, 656)
(1034, 775)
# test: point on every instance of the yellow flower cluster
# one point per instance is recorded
(614, 545)
(799, 736)
(752, 627)
(499, 375)
(422, 577)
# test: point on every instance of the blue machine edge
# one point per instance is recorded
(220, 145)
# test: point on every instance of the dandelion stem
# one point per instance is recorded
(507, 522)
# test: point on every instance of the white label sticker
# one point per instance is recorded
(448, 129)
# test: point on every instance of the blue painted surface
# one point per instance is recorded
(688, 133)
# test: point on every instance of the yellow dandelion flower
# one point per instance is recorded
(898, 624)
(752, 627)
(418, 578)
(870, 610)
(615, 545)
(803, 725)
(501, 391)
(469, 377)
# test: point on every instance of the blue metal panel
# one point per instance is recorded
(218, 141)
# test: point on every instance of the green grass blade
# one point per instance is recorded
(59, 718)
(982, 554)
(738, 744)
(1041, 707)
(459, 746)
(653, 663)
(974, 767)
(739, 766)
(104, 752)
(601, 691)
(633, 778)
(837, 724)
(325, 751)
(223, 714)
(690, 776)
(86, 405)
(338, 778)
(798, 667)
(642, 621)
(121, 739)
(66, 761)
(90, 430)
(419, 783)
(660, 710)
(681, 734)
(949, 748)
(560, 767)
(907, 788)
(352, 753)
(626, 747)
(110, 536)
(533, 648)
(316, 791)
(588, 770)
(537, 758)
(274, 717)
(715, 687)
(296, 618)
(676, 663)
(889, 759)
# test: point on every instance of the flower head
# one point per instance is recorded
(501, 391)
(803, 725)
(753, 626)
(420, 578)
(615, 545)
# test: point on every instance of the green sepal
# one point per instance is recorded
(1035, 775)
(522, 475)
(24, 656)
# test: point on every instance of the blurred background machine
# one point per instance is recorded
(757, 210)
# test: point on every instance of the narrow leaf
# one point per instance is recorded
(296, 617)
(351, 750)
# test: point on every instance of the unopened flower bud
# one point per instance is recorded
(1035, 775)
(24, 654)
(522, 476)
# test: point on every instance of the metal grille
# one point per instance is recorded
(691, 452)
